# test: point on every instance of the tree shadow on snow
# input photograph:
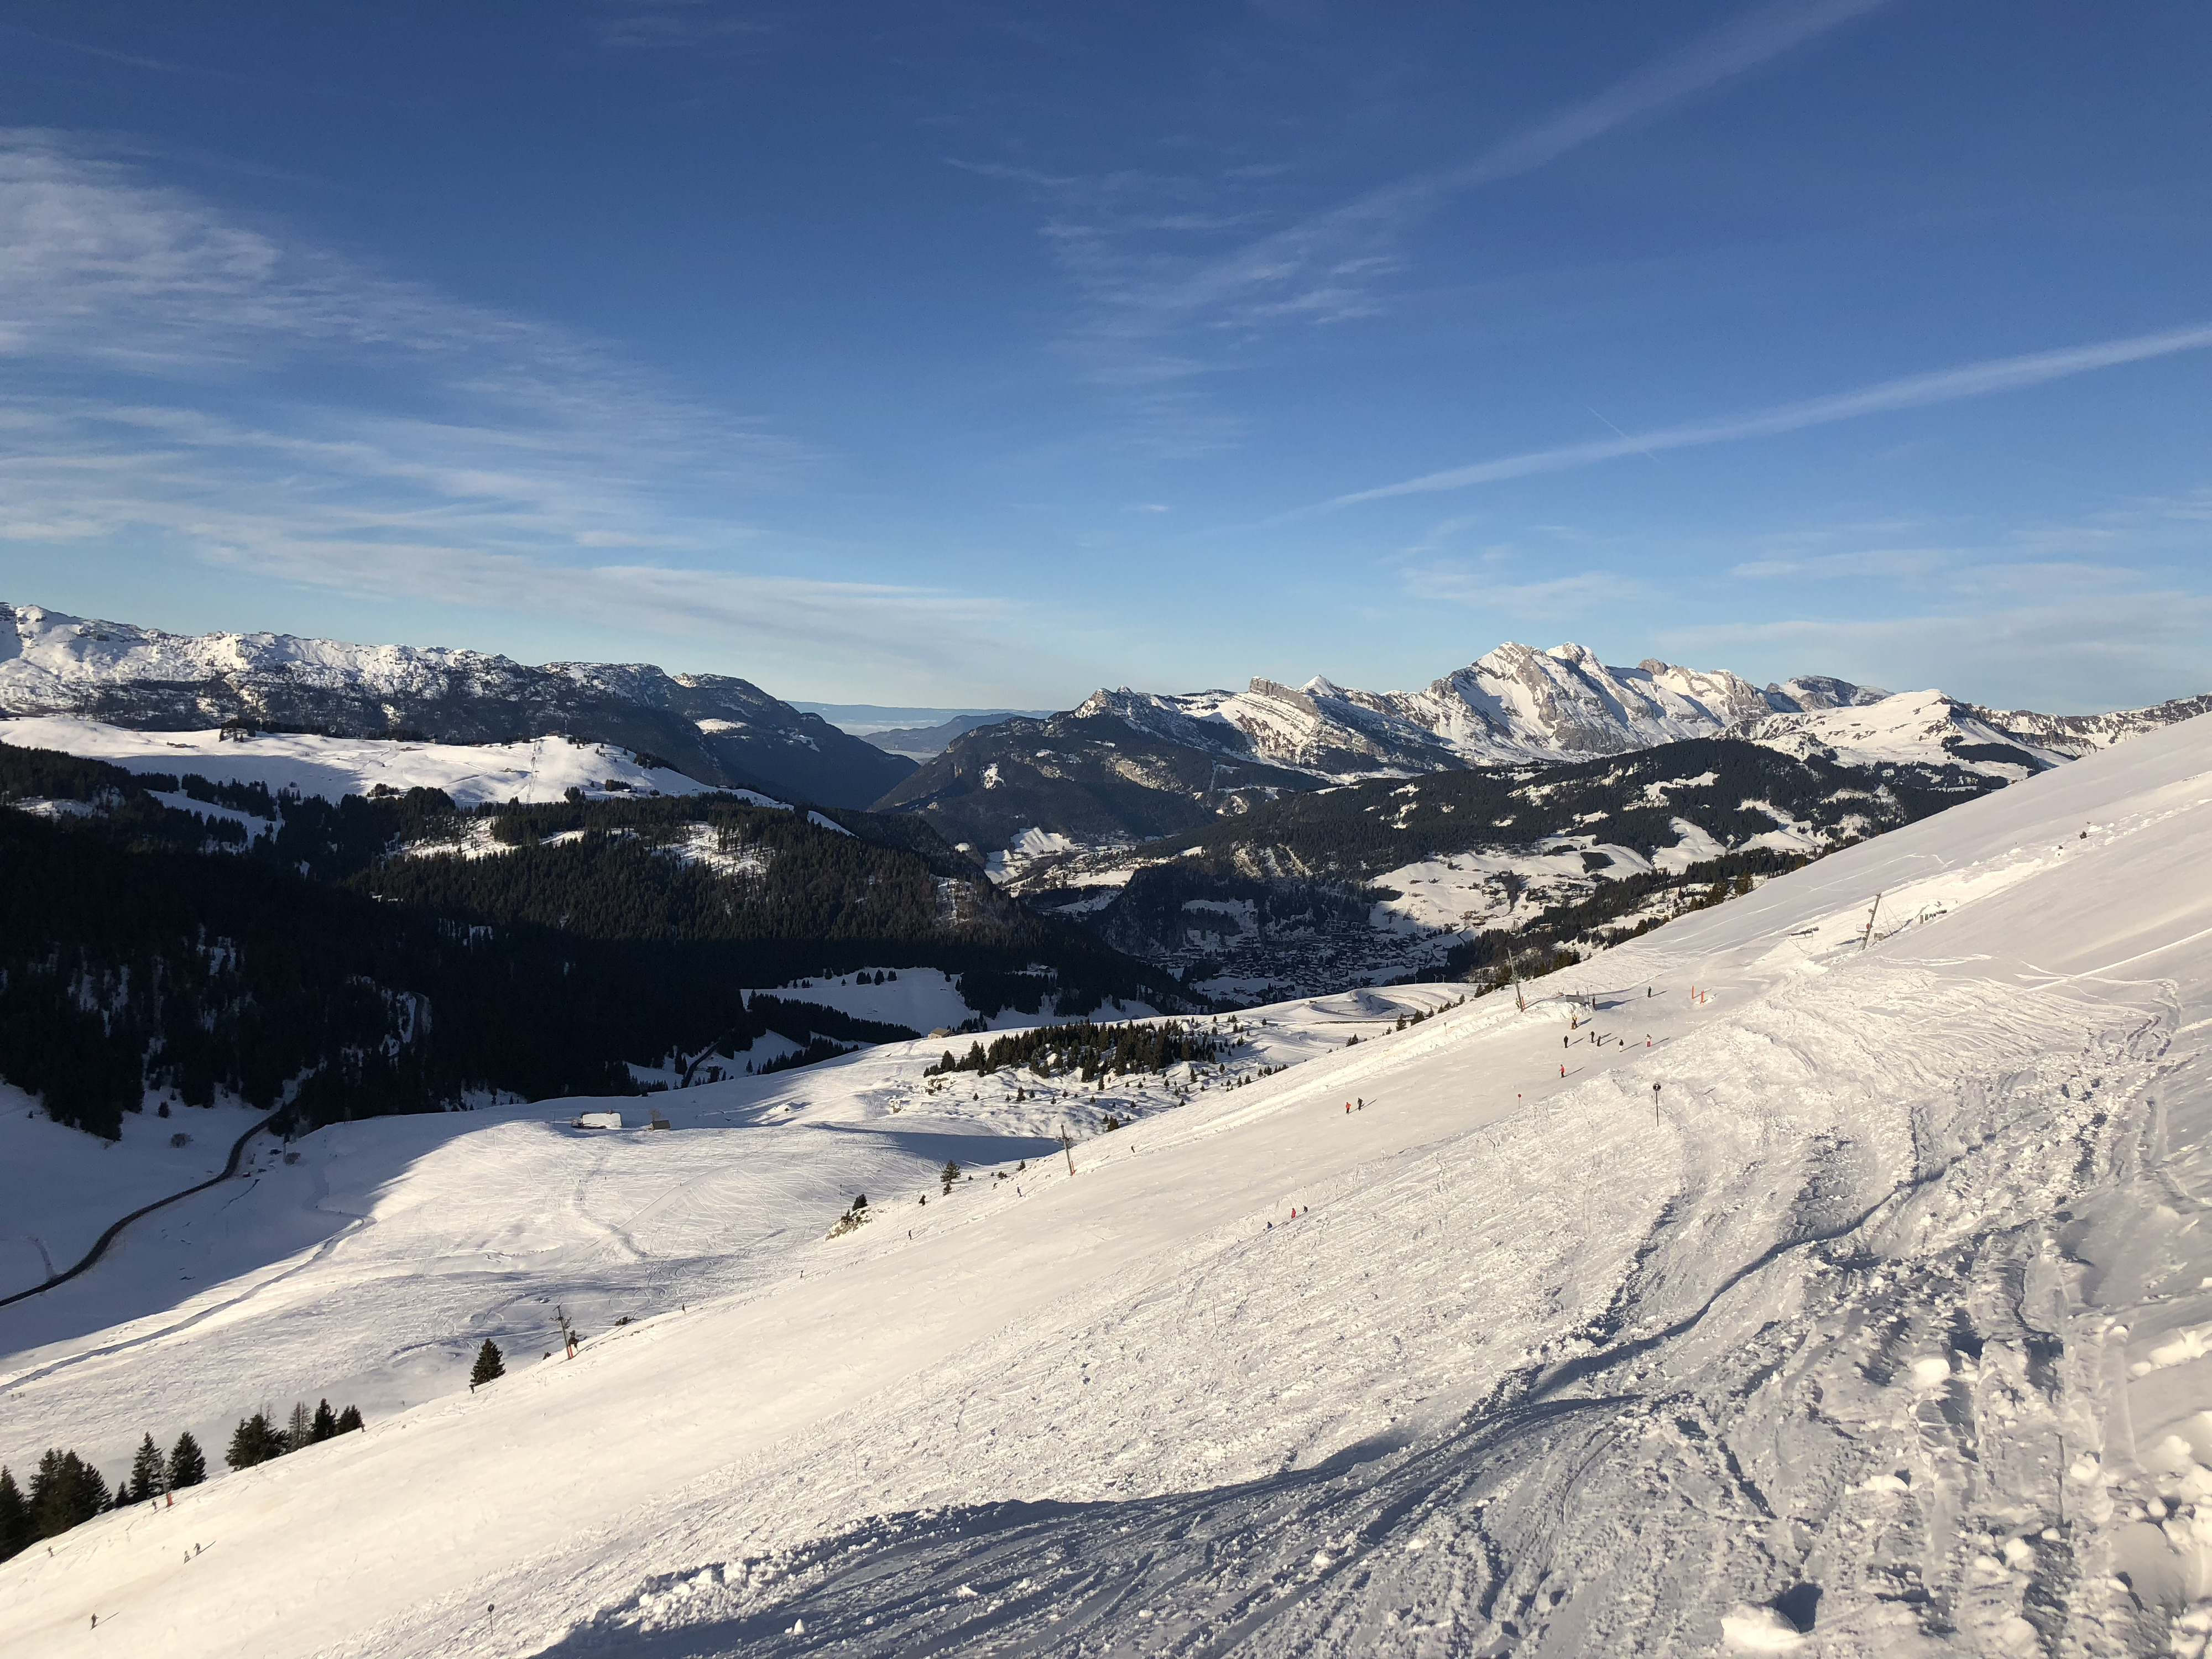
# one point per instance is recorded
(935, 1147)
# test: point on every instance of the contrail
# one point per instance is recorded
(1913, 391)
(1624, 438)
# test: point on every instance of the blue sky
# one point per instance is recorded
(953, 355)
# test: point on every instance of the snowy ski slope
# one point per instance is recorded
(1885, 1328)
(370, 1266)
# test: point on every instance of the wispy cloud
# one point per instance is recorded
(1893, 563)
(165, 372)
(1912, 392)
(1496, 587)
(1168, 304)
(1959, 569)
(447, 517)
(666, 23)
(2091, 651)
(2106, 609)
(1315, 268)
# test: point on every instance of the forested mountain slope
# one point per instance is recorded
(1466, 871)
(169, 939)
(1088, 778)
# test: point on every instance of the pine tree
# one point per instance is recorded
(15, 1515)
(349, 1419)
(65, 1492)
(325, 1425)
(254, 1441)
(187, 1463)
(490, 1365)
(148, 1478)
(299, 1428)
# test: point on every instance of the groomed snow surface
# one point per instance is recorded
(1885, 1328)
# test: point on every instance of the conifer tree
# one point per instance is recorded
(149, 1476)
(349, 1419)
(299, 1428)
(325, 1425)
(15, 1515)
(187, 1463)
(490, 1367)
(65, 1492)
(256, 1440)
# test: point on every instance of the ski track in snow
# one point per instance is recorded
(1886, 1337)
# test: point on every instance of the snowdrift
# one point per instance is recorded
(1883, 1326)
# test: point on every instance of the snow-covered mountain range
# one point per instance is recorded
(715, 728)
(1515, 704)
(1518, 704)
(1125, 767)
(1122, 768)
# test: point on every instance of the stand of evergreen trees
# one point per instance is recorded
(1088, 1051)
(66, 1490)
(258, 1438)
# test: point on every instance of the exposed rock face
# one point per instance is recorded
(1516, 704)
(714, 727)
(1812, 691)
(2077, 734)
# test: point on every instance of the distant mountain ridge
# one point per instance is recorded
(1125, 766)
(1513, 705)
(716, 728)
